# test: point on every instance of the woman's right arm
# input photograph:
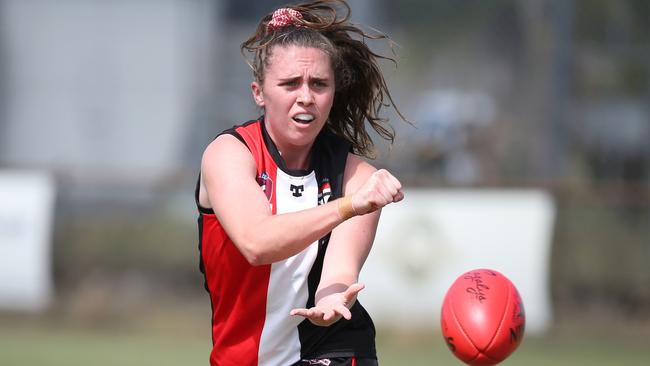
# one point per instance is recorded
(229, 187)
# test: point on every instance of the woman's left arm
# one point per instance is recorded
(348, 248)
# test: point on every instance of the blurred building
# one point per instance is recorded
(103, 91)
(121, 91)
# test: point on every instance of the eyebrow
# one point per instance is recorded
(293, 78)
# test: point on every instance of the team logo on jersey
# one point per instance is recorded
(324, 192)
(266, 184)
(296, 191)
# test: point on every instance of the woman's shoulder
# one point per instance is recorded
(359, 165)
(224, 145)
(253, 126)
(357, 172)
(235, 139)
(236, 132)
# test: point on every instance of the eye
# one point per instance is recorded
(319, 83)
(290, 83)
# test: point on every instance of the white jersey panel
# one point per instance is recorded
(280, 344)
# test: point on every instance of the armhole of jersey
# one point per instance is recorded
(205, 210)
(341, 148)
(344, 161)
(233, 132)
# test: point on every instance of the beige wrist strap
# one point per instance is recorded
(346, 210)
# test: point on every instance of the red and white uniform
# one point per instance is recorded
(250, 304)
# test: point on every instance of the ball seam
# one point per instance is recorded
(462, 330)
(503, 317)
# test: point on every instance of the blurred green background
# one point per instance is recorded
(546, 94)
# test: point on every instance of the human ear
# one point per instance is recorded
(258, 94)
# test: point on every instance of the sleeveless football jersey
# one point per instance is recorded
(251, 324)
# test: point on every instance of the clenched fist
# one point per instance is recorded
(379, 190)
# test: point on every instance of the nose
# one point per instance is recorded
(305, 95)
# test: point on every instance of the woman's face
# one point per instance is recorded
(297, 94)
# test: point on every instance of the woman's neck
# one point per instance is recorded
(295, 158)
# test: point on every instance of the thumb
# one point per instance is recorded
(352, 291)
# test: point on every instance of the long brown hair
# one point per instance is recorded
(360, 91)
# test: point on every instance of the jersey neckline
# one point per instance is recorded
(277, 157)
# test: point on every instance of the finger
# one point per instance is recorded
(387, 195)
(355, 288)
(381, 196)
(300, 312)
(352, 291)
(381, 173)
(399, 196)
(393, 185)
(315, 313)
(329, 315)
(344, 312)
(395, 182)
(390, 180)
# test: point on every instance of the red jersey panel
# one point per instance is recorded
(250, 305)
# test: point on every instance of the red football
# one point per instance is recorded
(482, 317)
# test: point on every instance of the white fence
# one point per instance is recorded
(425, 242)
(26, 212)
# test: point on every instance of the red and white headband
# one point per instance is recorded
(284, 17)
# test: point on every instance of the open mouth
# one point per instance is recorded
(303, 118)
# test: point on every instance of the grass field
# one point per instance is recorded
(567, 349)
(46, 344)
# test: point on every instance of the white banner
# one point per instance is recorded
(26, 208)
(425, 242)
